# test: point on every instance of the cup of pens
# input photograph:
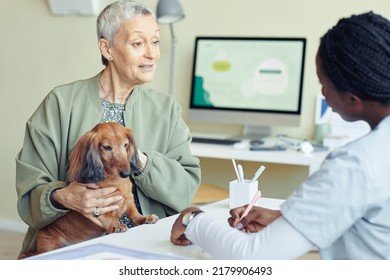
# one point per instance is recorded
(242, 191)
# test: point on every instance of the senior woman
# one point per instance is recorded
(128, 39)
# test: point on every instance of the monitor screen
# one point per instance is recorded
(249, 81)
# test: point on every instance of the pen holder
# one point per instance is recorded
(242, 193)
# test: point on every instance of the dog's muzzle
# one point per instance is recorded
(96, 212)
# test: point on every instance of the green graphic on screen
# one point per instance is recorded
(262, 75)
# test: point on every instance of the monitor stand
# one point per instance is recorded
(256, 132)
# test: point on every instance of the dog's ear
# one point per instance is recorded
(85, 165)
(132, 153)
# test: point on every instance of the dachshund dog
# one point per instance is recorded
(107, 156)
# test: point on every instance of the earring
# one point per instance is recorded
(110, 58)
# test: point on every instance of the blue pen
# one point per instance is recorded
(258, 173)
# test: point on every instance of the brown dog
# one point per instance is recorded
(106, 155)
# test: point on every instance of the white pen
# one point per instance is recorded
(235, 169)
(258, 173)
(241, 173)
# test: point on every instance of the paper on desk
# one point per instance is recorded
(101, 251)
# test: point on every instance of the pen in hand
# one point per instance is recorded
(251, 204)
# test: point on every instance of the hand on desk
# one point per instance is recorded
(178, 236)
(256, 219)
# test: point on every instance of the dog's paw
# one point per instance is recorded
(151, 219)
(119, 228)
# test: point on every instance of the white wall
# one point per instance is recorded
(39, 51)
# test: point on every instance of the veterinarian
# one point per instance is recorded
(128, 39)
(344, 208)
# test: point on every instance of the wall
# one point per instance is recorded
(39, 51)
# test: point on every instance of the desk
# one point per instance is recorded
(155, 238)
(311, 161)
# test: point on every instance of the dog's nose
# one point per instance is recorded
(124, 174)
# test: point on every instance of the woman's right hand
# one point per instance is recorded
(86, 198)
(257, 218)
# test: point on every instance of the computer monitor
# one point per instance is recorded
(253, 81)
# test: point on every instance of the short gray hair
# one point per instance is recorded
(111, 17)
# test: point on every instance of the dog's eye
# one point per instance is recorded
(107, 148)
(126, 145)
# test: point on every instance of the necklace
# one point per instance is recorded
(101, 86)
(106, 94)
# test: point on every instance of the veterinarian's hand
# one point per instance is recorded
(256, 219)
(86, 198)
(177, 233)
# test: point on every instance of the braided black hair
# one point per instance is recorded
(355, 54)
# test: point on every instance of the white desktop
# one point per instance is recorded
(148, 241)
(289, 155)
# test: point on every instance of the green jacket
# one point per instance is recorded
(166, 185)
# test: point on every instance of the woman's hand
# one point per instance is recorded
(86, 198)
(177, 233)
(256, 219)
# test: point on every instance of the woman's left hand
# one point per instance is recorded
(178, 236)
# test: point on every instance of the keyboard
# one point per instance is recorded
(217, 141)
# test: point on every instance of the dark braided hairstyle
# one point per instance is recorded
(355, 55)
